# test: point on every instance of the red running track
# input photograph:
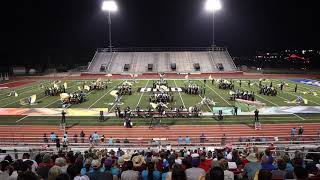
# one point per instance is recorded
(173, 132)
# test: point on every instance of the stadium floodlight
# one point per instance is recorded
(213, 6)
(109, 6)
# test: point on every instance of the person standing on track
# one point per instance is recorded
(300, 133)
(63, 117)
(235, 112)
(256, 115)
(293, 133)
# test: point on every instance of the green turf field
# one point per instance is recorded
(103, 99)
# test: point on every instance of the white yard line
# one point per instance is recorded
(217, 94)
(24, 97)
(142, 94)
(20, 93)
(104, 95)
(304, 98)
(22, 118)
(278, 105)
(180, 95)
(207, 104)
(299, 117)
(17, 89)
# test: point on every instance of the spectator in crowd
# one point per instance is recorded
(82, 135)
(280, 172)
(235, 157)
(300, 173)
(150, 173)
(254, 165)
(61, 162)
(87, 167)
(4, 174)
(27, 175)
(54, 172)
(178, 173)
(96, 174)
(168, 175)
(215, 173)
(264, 174)
(228, 175)
(129, 174)
(45, 166)
(195, 172)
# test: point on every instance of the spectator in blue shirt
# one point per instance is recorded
(150, 173)
(188, 140)
(110, 141)
(95, 137)
(180, 140)
(53, 137)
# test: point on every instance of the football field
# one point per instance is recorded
(103, 99)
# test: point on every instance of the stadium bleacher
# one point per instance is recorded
(162, 61)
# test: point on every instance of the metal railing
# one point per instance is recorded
(161, 49)
(172, 140)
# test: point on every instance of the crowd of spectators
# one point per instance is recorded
(184, 164)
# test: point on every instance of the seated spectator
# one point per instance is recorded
(266, 163)
(4, 173)
(54, 172)
(86, 167)
(27, 175)
(96, 174)
(195, 172)
(150, 173)
(168, 175)
(110, 166)
(254, 165)
(61, 162)
(280, 172)
(129, 174)
(228, 175)
(215, 173)
(204, 164)
(45, 166)
(63, 176)
(300, 173)
(235, 157)
(178, 173)
(264, 174)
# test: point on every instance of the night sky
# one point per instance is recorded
(242, 25)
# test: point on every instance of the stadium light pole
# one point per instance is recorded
(109, 6)
(213, 6)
